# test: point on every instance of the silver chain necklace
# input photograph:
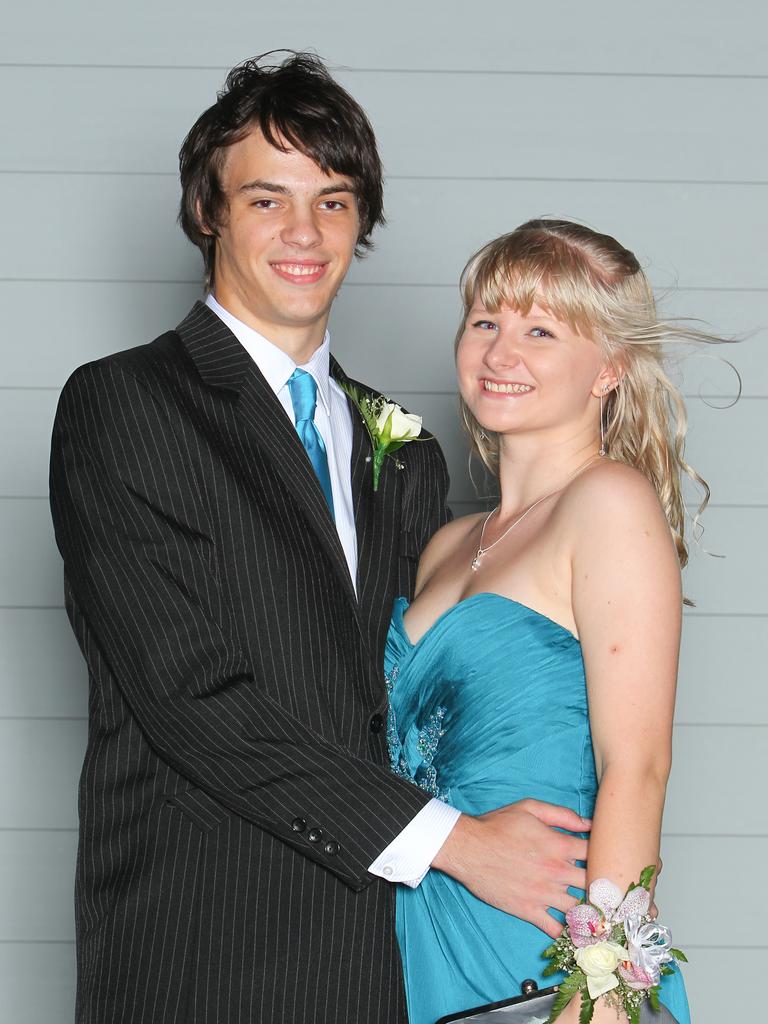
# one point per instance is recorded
(483, 551)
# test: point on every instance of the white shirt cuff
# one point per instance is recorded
(409, 855)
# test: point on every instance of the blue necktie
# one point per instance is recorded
(303, 391)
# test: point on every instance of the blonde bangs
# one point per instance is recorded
(523, 269)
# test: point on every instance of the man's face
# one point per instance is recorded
(286, 242)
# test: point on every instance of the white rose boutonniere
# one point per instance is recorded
(389, 426)
(400, 426)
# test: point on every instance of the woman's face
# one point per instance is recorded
(529, 373)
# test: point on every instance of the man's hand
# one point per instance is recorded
(514, 859)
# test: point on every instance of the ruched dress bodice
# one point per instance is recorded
(487, 708)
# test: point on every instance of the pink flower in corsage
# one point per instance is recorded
(589, 922)
(611, 949)
(586, 925)
(616, 907)
(635, 976)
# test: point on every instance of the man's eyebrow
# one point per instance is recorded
(259, 185)
(337, 186)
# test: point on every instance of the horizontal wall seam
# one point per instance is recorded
(686, 614)
(342, 69)
(67, 942)
(677, 725)
(347, 284)
(664, 835)
(698, 396)
(43, 718)
(576, 180)
(71, 942)
(462, 501)
(42, 828)
(32, 607)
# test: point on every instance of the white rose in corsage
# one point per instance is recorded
(599, 962)
(389, 426)
(611, 947)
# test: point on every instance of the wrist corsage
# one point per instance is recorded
(611, 947)
(389, 426)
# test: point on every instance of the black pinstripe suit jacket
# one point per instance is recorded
(235, 786)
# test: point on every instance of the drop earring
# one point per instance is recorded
(603, 450)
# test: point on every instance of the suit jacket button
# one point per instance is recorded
(376, 723)
(298, 824)
(332, 847)
(315, 835)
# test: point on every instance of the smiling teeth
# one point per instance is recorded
(299, 270)
(508, 389)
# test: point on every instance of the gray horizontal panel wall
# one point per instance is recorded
(433, 227)
(707, 39)
(135, 120)
(644, 128)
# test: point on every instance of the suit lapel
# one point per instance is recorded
(223, 363)
(377, 524)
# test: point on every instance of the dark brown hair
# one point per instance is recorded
(296, 101)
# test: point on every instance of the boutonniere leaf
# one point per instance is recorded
(389, 426)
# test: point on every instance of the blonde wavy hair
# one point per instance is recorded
(597, 287)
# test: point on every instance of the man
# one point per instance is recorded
(230, 572)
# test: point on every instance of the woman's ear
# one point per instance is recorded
(607, 380)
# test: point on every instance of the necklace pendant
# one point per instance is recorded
(476, 562)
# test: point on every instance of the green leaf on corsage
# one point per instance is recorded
(646, 876)
(587, 1008)
(566, 991)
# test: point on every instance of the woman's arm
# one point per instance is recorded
(627, 605)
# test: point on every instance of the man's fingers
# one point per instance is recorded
(575, 877)
(563, 902)
(573, 848)
(557, 817)
(548, 924)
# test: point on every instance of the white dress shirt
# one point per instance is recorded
(409, 855)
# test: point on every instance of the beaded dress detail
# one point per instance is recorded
(487, 708)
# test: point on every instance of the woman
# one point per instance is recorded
(539, 655)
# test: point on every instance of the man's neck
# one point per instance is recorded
(298, 342)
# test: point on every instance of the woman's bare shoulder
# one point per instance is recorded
(609, 487)
(613, 505)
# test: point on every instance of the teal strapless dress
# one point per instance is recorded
(489, 707)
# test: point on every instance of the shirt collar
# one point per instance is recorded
(276, 365)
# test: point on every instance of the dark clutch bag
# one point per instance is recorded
(533, 1007)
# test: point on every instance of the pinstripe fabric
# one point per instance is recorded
(233, 677)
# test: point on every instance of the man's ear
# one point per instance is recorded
(204, 227)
